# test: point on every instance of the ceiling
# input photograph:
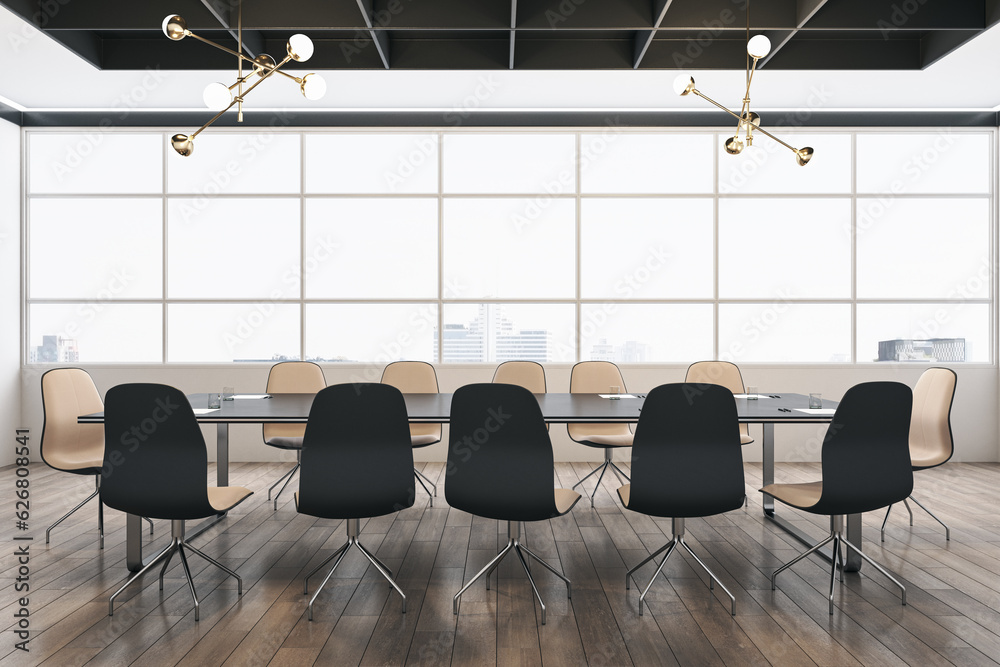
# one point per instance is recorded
(462, 59)
(523, 34)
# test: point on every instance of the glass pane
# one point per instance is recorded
(645, 333)
(945, 162)
(225, 332)
(966, 321)
(267, 162)
(509, 248)
(510, 163)
(767, 167)
(96, 162)
(371, 248)
(95, 333)
(99, 249)
(924, 248)
(378, 333)
(478, 333)
(233, 248)
(372, 163)
(647, 249)
(784, 248)
(785, 332)
(646, 163)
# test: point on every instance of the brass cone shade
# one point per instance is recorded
(182, 144)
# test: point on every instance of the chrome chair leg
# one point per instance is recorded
(878, 567)
(287, 478)
(628, 575)
(812, 549)
(238, 578)
(150, 522)
(712, 577)
(420, 477)
(81, 504)
(339, 552)
(886, 519)
(146, 568)
(534, 588)
(908, 510)
(281, 479)
(190, 580)
(671, 545)
(947, 530)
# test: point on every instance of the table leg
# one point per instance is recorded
(768, 453)
(222, 454)
(133, 542)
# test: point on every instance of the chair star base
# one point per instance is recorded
(678, 538)
(618, 472)
(421, 477)
(177, 545)
(353, 528)
(514, 544)
(947, 530)
(837, 537)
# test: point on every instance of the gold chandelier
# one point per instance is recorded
(746, 121)
(219, 97)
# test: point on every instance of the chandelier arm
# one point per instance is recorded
(791, 148)
(709, 99)
(218, 46)
(213, 119)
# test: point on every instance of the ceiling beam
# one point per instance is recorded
(379, 38)
(227, 15)
(805, 10)
(936, 45)
(643, 38)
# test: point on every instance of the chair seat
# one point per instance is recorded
(424, 440)
(83, 462)
(745, 439)
(601, 440)
(224, 498)
(565, 499)
(624, 492)
(285, 443)
(802, 496)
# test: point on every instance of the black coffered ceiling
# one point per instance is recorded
(522, 34)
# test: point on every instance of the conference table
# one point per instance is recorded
(768, 410)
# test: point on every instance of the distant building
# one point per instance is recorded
(55, 350)
(602, 351)
(632, 352)
(492, 336)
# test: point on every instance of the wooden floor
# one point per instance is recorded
(953, 588)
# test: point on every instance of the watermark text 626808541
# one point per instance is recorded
(22, 546)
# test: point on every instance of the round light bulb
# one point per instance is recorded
(683, 84)
(217, 96)
(300, 47)
(174, 27)
(182, 144)
(313, 86)
(758, 46)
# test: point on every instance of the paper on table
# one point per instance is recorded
(249, 396)
(816, 411)
(204, 411)
(749, 395)
(618, 396)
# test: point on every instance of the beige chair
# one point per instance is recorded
(597, 377)
(722, 373)
(416, 377)
(66, 445)
(290, 377)
(527, 374)
(931, 441)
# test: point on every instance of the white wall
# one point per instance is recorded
(974, 416)
(10, 290)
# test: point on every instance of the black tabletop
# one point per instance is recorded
(557, 408)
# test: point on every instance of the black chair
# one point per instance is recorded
(155, 465)
(686, 462)
(357, 461)
(866, 466)
(500, 467)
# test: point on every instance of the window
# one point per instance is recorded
(478, 246)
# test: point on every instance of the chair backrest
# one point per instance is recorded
(724, 373)
(356, 456)
(931, 440)
(527, 374)
(155, 460)
(292, 377)
(866, 457)
(414, 377)
(68, 393)
(595, 377)
(687, 459)
(499, 455)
